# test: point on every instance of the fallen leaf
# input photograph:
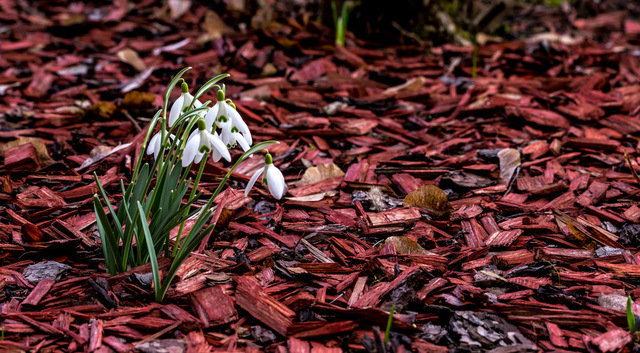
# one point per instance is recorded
(314, 197)
(41, 149)
(320, 172)
(509, 162)
(431, 198)
(406, 246)
(130, 56)
(413, 84)
(582, 237)
(100, 152)
(178, 8)
(213, 25)
(103, 109)
(137, 98)
(136, 81)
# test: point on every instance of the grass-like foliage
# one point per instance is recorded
(158, 200)
(631, 317)
(341, 21)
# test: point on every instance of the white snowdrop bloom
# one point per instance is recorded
(155, 144)
(211, 117)
(271, 176)
(223, 113)
(237, 121)
(202, 141)
(183, 102)
(230, 135)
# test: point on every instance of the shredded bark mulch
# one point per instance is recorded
(529, 243)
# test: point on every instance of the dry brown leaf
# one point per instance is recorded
(413, 84)
(583, 238)
(314, 197)
(129, 56)
(104, 109)
(178, 8)
(137, 98)
(431, 198)
(406, 246)
(41, 149)
(214, 27)
(509, 162)
(100, 152)
(320, 172)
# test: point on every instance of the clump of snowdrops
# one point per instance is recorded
(152, 206)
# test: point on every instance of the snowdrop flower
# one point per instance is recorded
(183, 102)
(231, 136)
(155, 144)
(272, 177)
(202, 141)
(223, 114)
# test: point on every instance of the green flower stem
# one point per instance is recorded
(191, 196)
(387, 333)
(150, 130)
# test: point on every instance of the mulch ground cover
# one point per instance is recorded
(528, 243)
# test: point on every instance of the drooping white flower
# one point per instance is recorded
(231, 136)
(183, 102)
(155, 144)
(224, 113)
(271, 176)
(202, 141)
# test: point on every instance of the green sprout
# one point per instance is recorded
(631, 317)
(341, 21)
(387, 333)
(557, 273)
(474, 58)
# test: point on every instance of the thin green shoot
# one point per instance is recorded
(387, 333)
(474, 58)
(341, 21)
(557, 273)
(631, 317)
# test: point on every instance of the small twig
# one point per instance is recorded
(132, 120)
(158, 334)
(407, 34)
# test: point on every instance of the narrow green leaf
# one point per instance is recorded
(387, 333)
(207, 86)
(172, 85)
(107, 238)
(150, 130)
(631, 317)
(152, 255)
(119, 233)
(183, 254)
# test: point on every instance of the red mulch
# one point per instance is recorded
(542, 263)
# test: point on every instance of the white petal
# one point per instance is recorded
(187, 100)
(190, 150)
(197, 104)
(225, 134)
(198, 157)
(242, 141)
(252, 181)
(215, 155)
(275, 182)
(218, 145)
(176, 110)
(152, 143)
(211, 116)
(240, 124)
